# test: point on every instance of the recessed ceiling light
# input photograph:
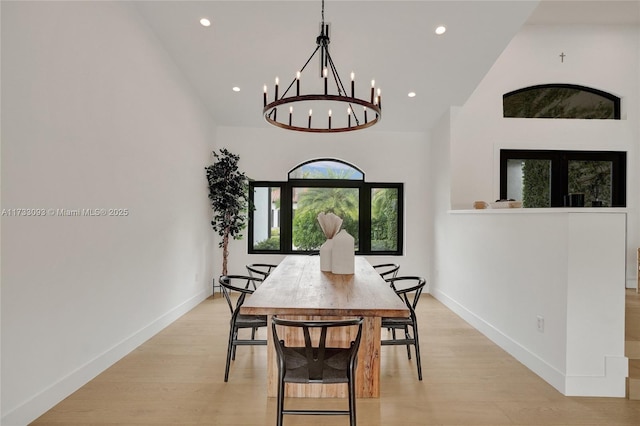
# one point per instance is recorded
(236, 89)
(411, 94)
(205, 22)
(441, 30)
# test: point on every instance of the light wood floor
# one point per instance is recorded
(176, 378)
(632, 342)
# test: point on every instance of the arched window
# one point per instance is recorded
(284, 218)
(326, 168)
(561, 101)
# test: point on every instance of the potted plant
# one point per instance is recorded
(229, 195)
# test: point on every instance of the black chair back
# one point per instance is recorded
(260, 270)
(409, 289)
(233, 283)
(316, 363)
(387, 270)
(406, 286)
(243, 285)
(316, 354)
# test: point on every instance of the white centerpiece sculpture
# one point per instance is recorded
(330, 224)
(343, 253)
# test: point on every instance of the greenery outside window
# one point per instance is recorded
(284, 219)
(384, 219)
(561, 101)
(543, 178)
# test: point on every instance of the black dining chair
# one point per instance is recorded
(387, 270)
(409, 289)
(240, 284)
(260, 270)
(316, 363)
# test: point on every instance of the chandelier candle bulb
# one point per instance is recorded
(290, 114)
(265, 95)
(349, 117)
(310, 112)
(298, 83)
(353, 85)
(373, 87)
(365, 115)
(276, 96)
(379, 99)
(324, 72)
(329, 118)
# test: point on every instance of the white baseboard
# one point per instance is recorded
(49, 397)
(612, 384)
(547, 372)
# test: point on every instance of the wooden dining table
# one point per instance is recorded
(298, 289)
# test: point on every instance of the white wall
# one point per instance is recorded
(596, 305)
(439, 166)
(500, 270)
(95, 115)
(269, 154)
(605, 58)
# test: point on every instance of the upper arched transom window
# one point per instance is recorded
(326, 168)
(561, 101)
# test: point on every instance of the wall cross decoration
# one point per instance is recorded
(562, 55)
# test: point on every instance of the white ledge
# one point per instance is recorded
(550, 210)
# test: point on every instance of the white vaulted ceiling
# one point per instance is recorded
(249, 43)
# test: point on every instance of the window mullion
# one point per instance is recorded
(286, 219)
(365, 218)
(559, 180)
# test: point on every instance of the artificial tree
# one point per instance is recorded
(229, 195)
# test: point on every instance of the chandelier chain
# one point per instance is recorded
(340, 87)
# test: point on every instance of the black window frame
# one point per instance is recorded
(364, 209)
(560, 171)
(615, 100)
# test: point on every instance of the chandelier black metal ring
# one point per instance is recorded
(354, 121)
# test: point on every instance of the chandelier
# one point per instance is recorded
(356, 114)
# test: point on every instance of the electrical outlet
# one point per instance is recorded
(540, 323)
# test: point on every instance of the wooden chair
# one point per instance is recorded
(316, 363)
(240, 284)
(404, 288)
